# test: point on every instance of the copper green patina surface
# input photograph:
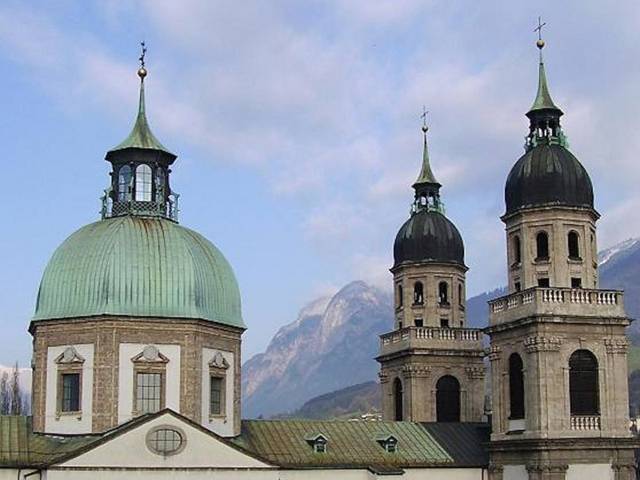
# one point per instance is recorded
(141, 135)
(20, 447)
(543, 99)
(349, 444)
(426, 175)
(140, 267)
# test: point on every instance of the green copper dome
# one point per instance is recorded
(140, 267)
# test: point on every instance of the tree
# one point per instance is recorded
(15, 392)
(5, 399)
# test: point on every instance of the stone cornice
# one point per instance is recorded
(538, 343)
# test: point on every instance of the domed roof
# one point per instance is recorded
(428, 236)
(548, 175)
(141, 267)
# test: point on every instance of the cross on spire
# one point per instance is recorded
(539, 28)
(144, 52)
(424, 119)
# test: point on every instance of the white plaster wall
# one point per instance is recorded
(13, 474)
(222, 426)
(125, 378)
(597, 471)
(69, 423)
(129, 450)
(267, 474)
(515, 472)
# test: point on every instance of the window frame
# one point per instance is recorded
(149, 370)
(418, 293)
(539, 246)
(448, 401)
(573, 246)
(521, 409)
(575, 379)
(154, 430)
(70, 369)
(143, 178)
(125, 188)
(398, 400)
(443, 300)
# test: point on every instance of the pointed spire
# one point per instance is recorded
(141, 135)
(427, 188)
(544, 115)
(426, 174)
(543, 99)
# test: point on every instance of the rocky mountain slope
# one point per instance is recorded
(332, 344)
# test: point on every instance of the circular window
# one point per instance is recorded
(165, 440)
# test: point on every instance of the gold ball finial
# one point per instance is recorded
(142, 72)
(540, 44)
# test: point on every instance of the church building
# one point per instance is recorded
(138, 326)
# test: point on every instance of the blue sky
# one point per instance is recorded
(297, 129)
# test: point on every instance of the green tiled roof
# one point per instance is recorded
(349, 444)
(20, 447)
(139, 267)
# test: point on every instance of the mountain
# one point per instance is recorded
(330, 346)
(346, 403)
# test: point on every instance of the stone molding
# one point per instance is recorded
(383, 376)
(537, 343)
(70, 356)
(414, 370)
(616, 345)
(474, 372)
(218, 361)
(494, 353)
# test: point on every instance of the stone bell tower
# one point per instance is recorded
(558, 347)
(431, 363)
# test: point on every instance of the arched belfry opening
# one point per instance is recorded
(516, 387)
(584, 393)
(448, 399)
(542, 246)
(398, 400)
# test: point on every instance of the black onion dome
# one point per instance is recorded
(428, 236)
(548, 175)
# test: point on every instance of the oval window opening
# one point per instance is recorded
(165, 441)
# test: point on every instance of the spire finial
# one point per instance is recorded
(425, 128)
(540, 43)
(142, 71)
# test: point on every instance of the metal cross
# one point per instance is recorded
(144, 52)
(539, 28)
(424, 116)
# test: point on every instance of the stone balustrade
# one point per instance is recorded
(585, 422)
(430, 337)
(556, 301)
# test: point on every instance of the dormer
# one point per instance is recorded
(318, 442)
(388, 442)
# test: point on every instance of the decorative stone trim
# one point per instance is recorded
(494, 353)
(172, 428)
(546, 468)
(616, 345)
(413, 370)
(150, 354)
(218, 361)
(218, 369)
(536, 343)
(70, 356)
(383, 376)
(474, 372)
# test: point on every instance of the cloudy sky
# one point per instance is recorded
(297, 128)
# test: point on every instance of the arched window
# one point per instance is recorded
(160, 185)
(448, 399)
(397, 399)
(583, 383)
(460, 295)
(542, 246)
(124, 183)
(517, 250)
(400, 295)
(516, 387)
(143, 183)
(573, 244)
(443, 293)
(418, 293)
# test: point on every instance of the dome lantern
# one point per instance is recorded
(141, 169)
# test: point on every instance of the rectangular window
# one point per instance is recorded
(543, 282)
(215, 397)
(70, 392)
(576, 282)
(444, 323)
(419, 322)
(148, 392)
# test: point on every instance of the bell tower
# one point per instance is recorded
(558, 346)
(431, 363)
